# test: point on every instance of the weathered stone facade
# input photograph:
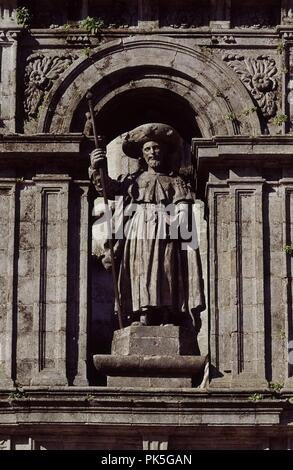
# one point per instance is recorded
(221, 73)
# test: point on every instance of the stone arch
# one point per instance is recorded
(147, 100)
(210, 88)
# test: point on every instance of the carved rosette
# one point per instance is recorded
(259, 76)
(40, 73)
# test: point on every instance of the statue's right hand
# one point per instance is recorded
(98, 158)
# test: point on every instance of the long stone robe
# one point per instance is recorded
(155, 271)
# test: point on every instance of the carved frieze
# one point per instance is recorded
(226, 39)
(40, 73)
(259, 76)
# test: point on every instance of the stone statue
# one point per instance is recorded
(157, 260)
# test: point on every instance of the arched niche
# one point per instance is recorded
(135, 80)
(210, 89)
(120, 112)
(127, 108)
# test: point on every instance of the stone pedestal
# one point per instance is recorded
(151, 356)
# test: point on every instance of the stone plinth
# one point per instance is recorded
(151, 356)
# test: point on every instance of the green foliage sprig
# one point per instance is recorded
(18, 394)
(256, 397)
(288, 249)
(23, 17)
(92, 25)
(279, 119)
(276, 386)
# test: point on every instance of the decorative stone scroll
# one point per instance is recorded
(40, 73)
(259, 76)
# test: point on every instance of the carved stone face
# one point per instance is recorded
(153, 155)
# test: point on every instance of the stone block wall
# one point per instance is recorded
(44, 76)
(221, 73)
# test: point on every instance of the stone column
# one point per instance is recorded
(236, 280)
(153, 442)
(287, 12)
(9, 48)
(7, 13)
(148, 14)
(284, 335)
(287, 84)
(249, 196)
(8, 231)
(220, 14)
(84, 8)
(78, 282)
(51, 260)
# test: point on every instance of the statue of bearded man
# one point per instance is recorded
(159, 275)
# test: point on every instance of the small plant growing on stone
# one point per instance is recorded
(218, 94)
(231, 117)
(282, 334)
(20, 180)
(23, 17)
(67, 27)
(18, 394)
(256, 397)
(87, 51)
(247, 111)
(288, 249)
(280, 119)
(275, 386)
(290, 400)
(91, 25)
(280, 47)
(89, 397)
(206, 50)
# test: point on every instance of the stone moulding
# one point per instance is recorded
(39, 145)
(135, 365)
(214, 90)
(263, 149)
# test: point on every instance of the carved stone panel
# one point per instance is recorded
(40, 73)
(259, 75)
(25, 277)
(7, 281)
(220, 275)
(284, 330)
(50, 274)
(236, 277)
(247, 322)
